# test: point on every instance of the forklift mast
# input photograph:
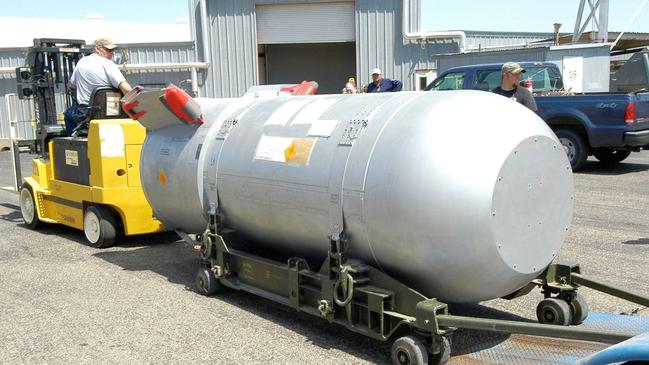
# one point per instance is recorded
(47, 72)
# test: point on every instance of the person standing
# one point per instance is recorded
(510, 77)
(91, 72)
(380, 85)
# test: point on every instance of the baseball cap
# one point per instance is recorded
(376, 71)
(104, 42)
(512, 68)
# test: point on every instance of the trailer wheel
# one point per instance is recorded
(99, 226)
(609, 156)
(578, 308)
(206, 283)
(409, 350)
(444, 354)
(575, 146)
(28, 207)
(554, 311)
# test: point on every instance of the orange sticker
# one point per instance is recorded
(290, 152)
(299, 152)
(163, 178)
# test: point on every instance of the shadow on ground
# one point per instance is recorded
(13, 216)
(598, 168)
(177, 262)
(640, 241)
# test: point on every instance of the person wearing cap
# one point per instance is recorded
(510, 77)
(91, 72)
(380, 85)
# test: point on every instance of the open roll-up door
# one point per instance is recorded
(305, 23)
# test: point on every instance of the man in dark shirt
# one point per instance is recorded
(380, 85)
(510, 76)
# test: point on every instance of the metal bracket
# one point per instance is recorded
(565, 278)
(557, 278)
(295, 264)
(427, 313)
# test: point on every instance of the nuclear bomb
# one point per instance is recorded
(462, 195)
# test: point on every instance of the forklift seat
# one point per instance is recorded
(104, 104)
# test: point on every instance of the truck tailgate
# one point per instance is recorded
(642, 110)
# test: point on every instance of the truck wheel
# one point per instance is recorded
(575, 146)
(409, 350)
(28, 207)
(100, 226)
(610, 156)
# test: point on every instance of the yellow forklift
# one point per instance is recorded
(90, 181)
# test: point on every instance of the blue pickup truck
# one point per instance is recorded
(607, 125)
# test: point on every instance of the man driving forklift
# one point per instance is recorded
(88, 181)
(91, 72)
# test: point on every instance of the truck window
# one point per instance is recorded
(451, 81)
(544, 78)
(486, 80)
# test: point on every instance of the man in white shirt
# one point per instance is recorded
(91, 72)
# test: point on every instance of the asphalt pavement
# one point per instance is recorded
(64, 302)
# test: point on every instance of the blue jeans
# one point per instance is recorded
(73, 116)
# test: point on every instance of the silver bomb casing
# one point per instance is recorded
(464, 196)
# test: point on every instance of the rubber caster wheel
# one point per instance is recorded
(206, 283)
(409, 350)
(554, 311)
(28, 208)
(100, 226)
(578, 308)
(444, 354)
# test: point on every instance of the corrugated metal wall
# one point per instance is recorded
(232, 41)
(487, 39)
(159, 53)
(142, 53)
(453, 60)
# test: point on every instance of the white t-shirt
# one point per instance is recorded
(92, 72)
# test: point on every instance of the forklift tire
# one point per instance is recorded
(28, 207)
(99, 226)
(409, 350)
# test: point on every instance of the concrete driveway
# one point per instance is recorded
(64, 302)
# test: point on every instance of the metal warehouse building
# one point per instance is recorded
(250, 42)
(233, 45)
